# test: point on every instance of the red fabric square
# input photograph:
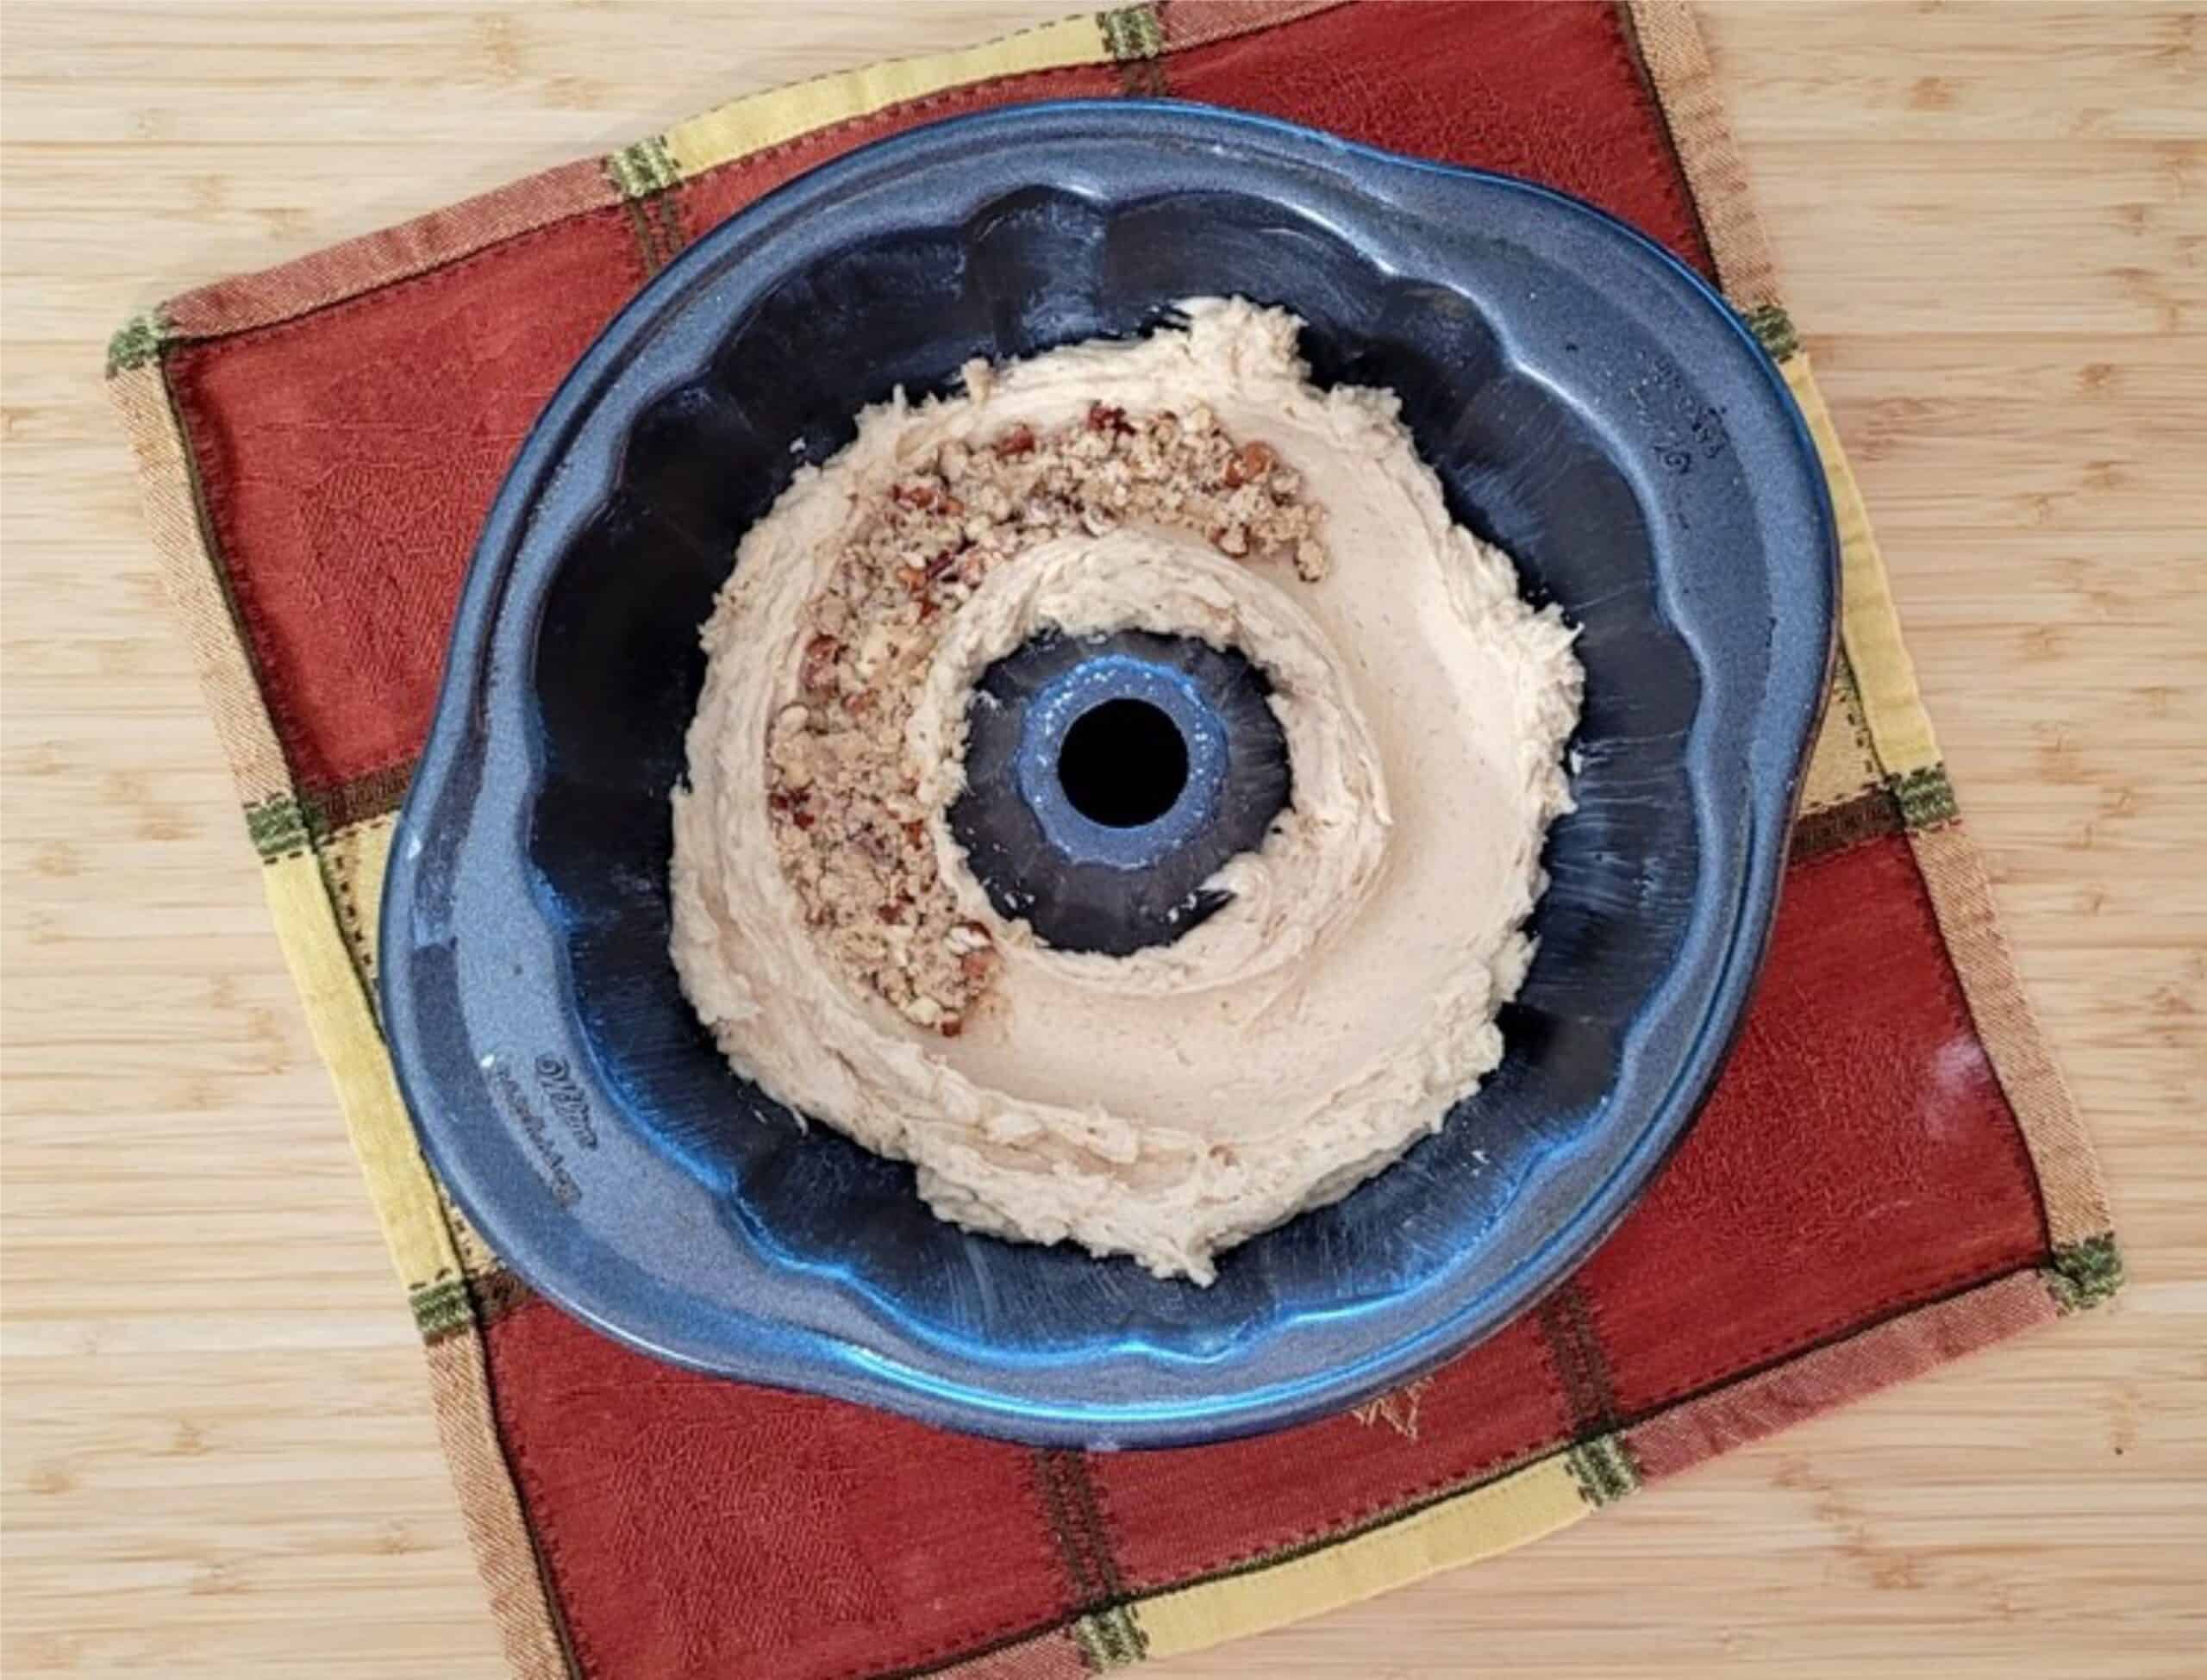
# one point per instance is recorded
(1187, 1511)
(1544, 89)
(697, 1527)
(1857, 1157)
(347, 458)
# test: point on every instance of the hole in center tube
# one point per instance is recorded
(1123, 764)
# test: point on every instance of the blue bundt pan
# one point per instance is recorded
(1588, 403)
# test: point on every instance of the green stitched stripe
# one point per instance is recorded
(1604, 1469)
(1087, 1641)
(284, 825)
(641, 174)
(136, 342)
(278, 828)
(1108, 1638)
(1926, 798)
(643, 169)
(454, 1303)
(1132, 32)
(2083, 1274)
(1773, 330)
(441, 1308)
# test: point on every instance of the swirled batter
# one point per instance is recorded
(1167, 1104)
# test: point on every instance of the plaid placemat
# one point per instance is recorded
(1889, 1175)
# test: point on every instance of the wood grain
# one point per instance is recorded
(218, 1455)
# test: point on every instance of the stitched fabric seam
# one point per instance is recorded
(1962, 1015)
(1835, 1329)
(1368, 1519)
(1853, 822)
(1837, 853)
(1071, 1554)
(944, 1656)
(828, 75)
(420, 279)
(1543, 1373)
(539, 1539)
(1660, 152)
(1850, 689)
(344, 896)
(641, 230)
(666, 209)
(211, 551)
(1364, 1518)
(378, 802)
(963, 91)
(1088, 1514)
(1225, 32)
(529, 1489)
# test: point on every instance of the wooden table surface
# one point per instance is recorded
(219, 1459)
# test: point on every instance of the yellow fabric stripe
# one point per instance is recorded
(476, 1259)
(1840, 767)
(745, 125)
(1496, 1518)
(1871, 630)
(356, 857)
(345, 1033)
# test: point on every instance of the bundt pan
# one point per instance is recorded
(1588, 403)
